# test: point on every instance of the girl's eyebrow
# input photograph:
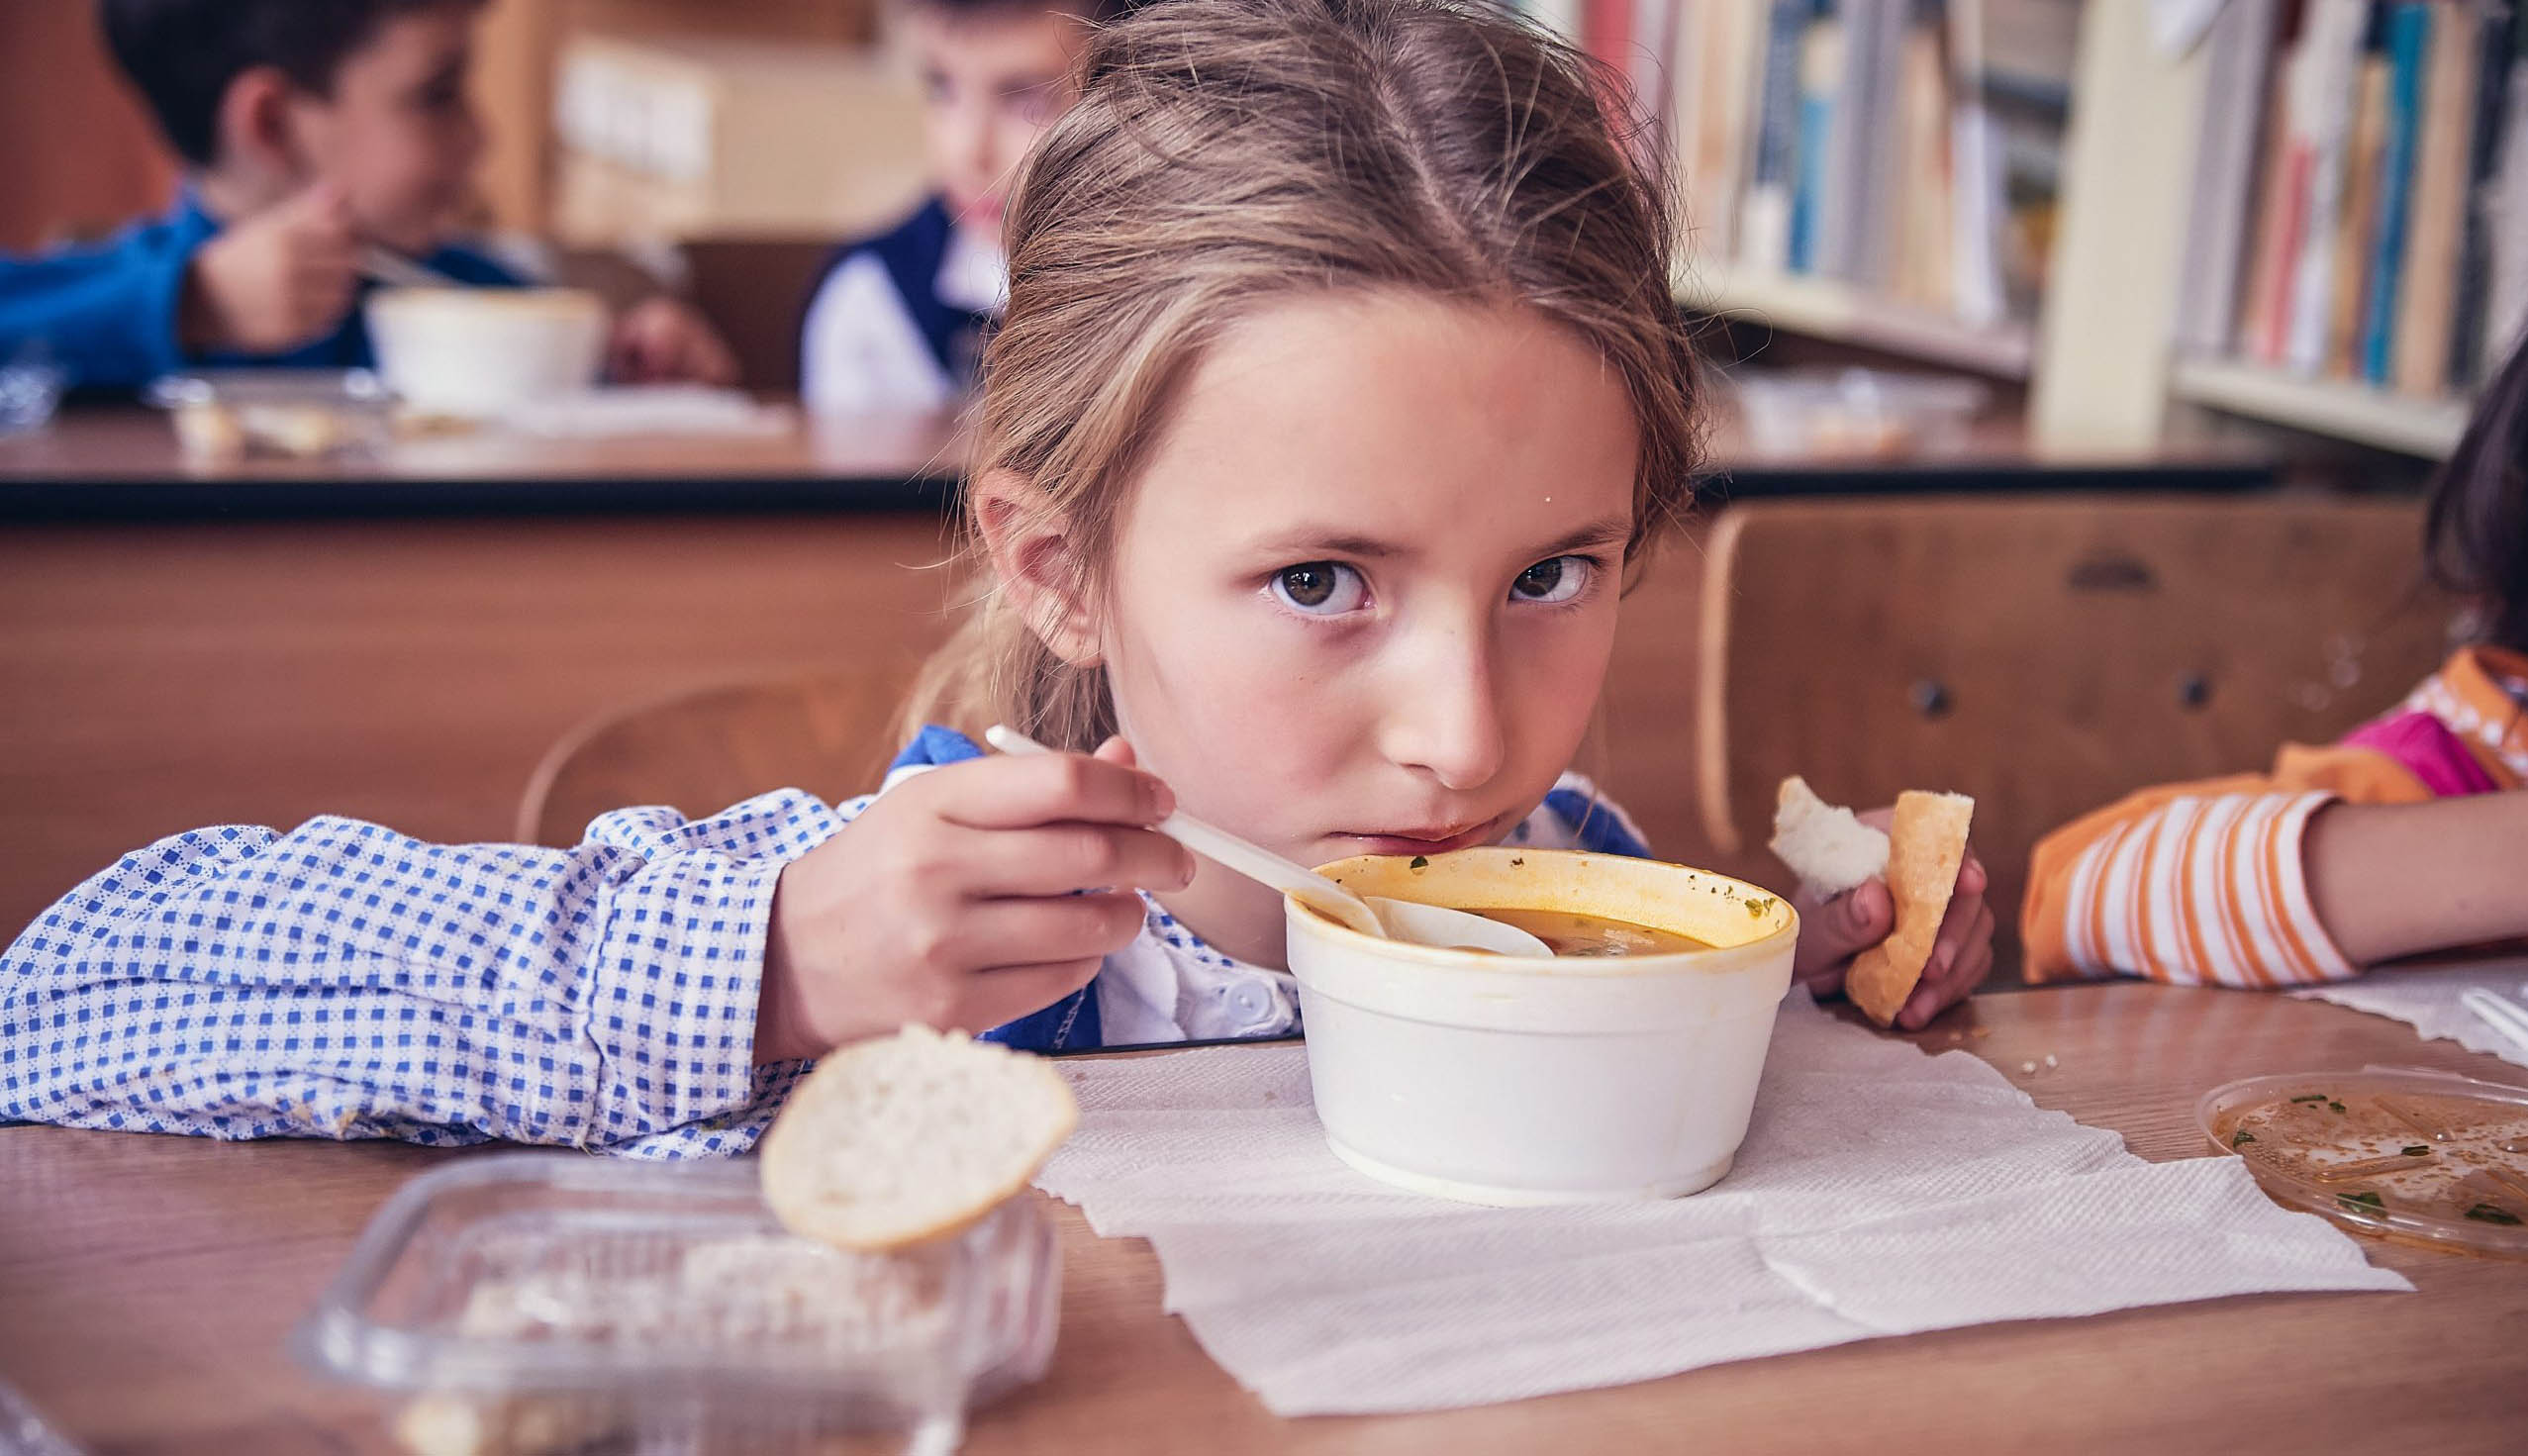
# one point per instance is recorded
(1307, 541)
(1613, 531)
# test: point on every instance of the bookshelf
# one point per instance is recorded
(2337, 409)
(1831, 308)
(2166, 283)
(1876, 173)
(2182, 279)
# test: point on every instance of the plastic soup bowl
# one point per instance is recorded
(479, 352)
(1505, 1081)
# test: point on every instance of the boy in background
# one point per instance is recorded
(898, 319)
(310, 131)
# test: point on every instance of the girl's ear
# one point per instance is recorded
(1038, 565)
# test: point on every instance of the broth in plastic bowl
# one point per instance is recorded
(1586, 1078)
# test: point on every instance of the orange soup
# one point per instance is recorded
(1590, 934)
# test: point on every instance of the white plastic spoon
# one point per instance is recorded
(1388, 920)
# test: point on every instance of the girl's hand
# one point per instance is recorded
(660, 340)
(951, 901)
(1833, 931)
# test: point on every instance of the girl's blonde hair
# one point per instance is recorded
(1225, 154)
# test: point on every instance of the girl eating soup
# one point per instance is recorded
(1339, 391)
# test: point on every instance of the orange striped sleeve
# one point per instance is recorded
(2199, 884)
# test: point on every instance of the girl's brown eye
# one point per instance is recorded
(1319, 588)
(1308, 586)
(1557, 579)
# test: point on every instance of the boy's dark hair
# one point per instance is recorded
(2475, 538)
(182, 55)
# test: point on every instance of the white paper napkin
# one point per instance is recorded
(1880, 1192)
(2428, 1001)
(630, 410)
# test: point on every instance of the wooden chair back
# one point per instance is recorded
(2046, 655)
(703, 749)
(755, 291)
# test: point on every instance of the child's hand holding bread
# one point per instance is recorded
(1891, 902)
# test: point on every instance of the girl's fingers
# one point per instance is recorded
(1966, 910)
(1115, 751)
(1057, 860)
(1956, 967)
(995, 934)
(1830, 934)
(1022, 792)
(1972, 877)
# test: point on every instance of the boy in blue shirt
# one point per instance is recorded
(310, 130)
(897, 322)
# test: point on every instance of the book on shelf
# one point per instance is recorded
(1716, 72)
(2427, 293)
(2326, 84)
(1977, 292)
(2505, 298)
(2279, 181)
(2408, 36)
(2480, 204)
(2360, 197)
(2357, 218)
(1562, 17)
(1765, 230)
(2238, 66)
(1814, 202)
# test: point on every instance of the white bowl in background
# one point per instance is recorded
(1494, 1079)
(480, 352)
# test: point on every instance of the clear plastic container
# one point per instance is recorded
(2422, 1157)
(31, 386)
(539, 1301)
(1854, 414)
(300, 414)
(23, 1430)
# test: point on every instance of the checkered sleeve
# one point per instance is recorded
(345, 981)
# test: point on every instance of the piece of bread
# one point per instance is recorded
(1822, 843)
(447, 1424)
(912, 1137)
(1926, 847)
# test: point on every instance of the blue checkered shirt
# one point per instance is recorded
(342, 980)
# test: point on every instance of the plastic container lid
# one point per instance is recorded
(2423, 1157)
(554, 1298)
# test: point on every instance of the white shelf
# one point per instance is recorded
(1830, 307)
(2354, 412)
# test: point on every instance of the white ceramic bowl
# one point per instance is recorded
(480, 352)
(1504, 1081)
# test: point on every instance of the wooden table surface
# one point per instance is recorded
(147, 1283)
(122, 461)
(120, 443)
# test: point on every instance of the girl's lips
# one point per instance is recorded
(1419, 843)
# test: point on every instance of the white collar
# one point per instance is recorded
(974, 274)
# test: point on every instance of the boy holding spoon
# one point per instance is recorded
(317, 136)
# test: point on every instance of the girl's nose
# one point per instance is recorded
(1444, 718)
